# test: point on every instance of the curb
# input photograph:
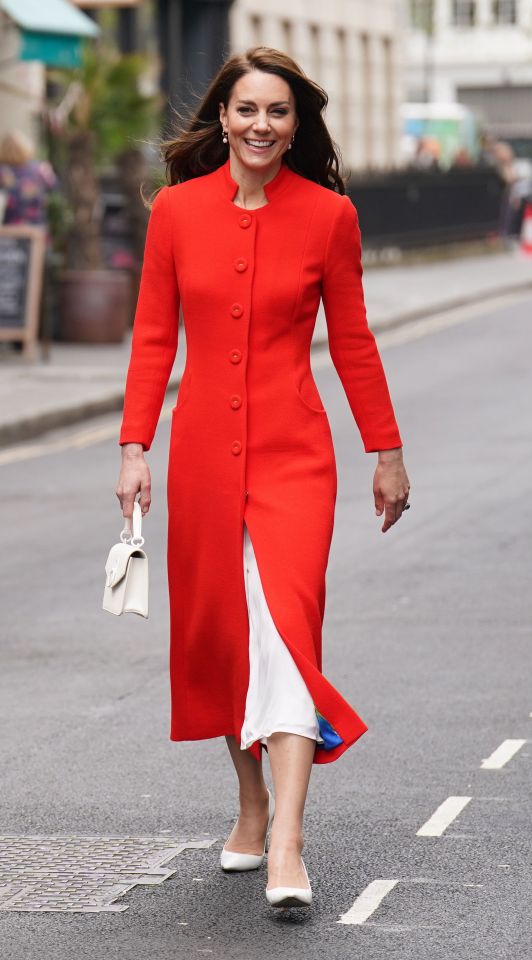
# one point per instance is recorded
(422, 313)
(401, 319)
(28, 428)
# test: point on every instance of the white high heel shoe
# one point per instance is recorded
(291, 896)
(231, 861)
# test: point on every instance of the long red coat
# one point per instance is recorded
(250, 438)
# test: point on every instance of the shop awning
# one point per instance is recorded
(52, 31)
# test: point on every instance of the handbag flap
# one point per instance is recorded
(117, 561)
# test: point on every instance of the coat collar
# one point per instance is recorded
(271, 189)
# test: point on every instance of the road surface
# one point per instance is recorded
(418, 840)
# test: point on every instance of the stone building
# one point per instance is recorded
(476, 52)
(32, 36)
(350, 47)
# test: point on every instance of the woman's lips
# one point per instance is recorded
(259, 146)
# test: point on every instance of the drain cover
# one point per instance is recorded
(83, 874)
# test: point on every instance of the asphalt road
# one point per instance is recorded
(427, 633)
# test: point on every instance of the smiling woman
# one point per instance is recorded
(262, 84)
(259, 130)
(248, 237)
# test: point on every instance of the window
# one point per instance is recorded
(315, 52)
(286, 27)
(390, 103)
(464, 13)
(255, 24)
(505, 11)
(367, 101)
(422, 15)
(343, 93)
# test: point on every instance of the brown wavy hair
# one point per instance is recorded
(198, 148)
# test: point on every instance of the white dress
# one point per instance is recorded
(278, 698)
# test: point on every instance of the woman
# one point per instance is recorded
(26, 181)
(253, 229)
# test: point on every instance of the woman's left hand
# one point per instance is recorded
(390, 487)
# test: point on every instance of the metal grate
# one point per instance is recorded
(83, 874)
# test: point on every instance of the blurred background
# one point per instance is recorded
(430, 104)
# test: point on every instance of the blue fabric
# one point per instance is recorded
(330, 737)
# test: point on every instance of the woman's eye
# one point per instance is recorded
(279, 112)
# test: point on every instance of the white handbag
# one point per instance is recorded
(126, 570)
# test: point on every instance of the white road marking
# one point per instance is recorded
(368, 901)
(502, 754)
(373, 895)
(443, 817)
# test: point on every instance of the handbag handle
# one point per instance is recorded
(134, 539)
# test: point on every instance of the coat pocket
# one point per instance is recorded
(308, 393)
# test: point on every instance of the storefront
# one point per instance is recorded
(33, 36)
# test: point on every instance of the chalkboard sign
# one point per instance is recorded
(15, 256)
(21, 272)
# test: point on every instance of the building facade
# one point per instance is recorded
(352, 49)
(31, 36)
(21, 84)
(476, 52)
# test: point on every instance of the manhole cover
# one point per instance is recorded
(83, 874)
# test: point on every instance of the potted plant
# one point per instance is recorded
(101, 113)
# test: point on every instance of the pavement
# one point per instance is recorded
(73, 382)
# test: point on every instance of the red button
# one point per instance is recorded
(237, 310)
(244, 221)
(235, 356)
(236, 447)
(236, 401)
(241, 264)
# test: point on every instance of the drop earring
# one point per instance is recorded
(291, 142)
(224, 136)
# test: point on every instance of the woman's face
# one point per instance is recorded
(260, 119)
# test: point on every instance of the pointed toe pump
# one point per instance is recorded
(291, 896)
(230, 861)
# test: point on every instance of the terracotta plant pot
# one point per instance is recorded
(94, 305)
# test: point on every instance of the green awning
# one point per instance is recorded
(53, 49)
(52, 31)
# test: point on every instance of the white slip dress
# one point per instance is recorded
(277, 699)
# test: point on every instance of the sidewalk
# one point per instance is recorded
(83, 380)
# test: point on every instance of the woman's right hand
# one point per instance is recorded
(134, 476)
